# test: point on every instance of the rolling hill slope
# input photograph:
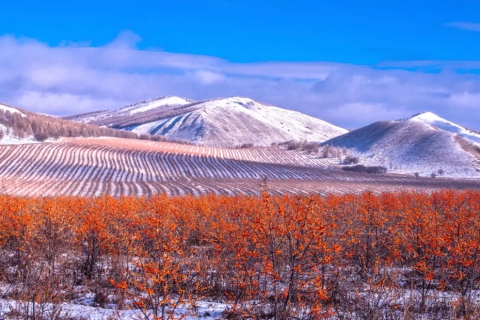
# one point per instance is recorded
(425, 143)
(219, 122)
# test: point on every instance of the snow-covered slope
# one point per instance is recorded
(434, 120)
(139, 107)
(155, 103)
(411, 145)
(7, 135)
(218, 122)
(6, 108)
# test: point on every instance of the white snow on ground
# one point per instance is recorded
(11, 110)
(89, 117)
(153, 104)
(409, 146)
(9, 138)
(434, 120)
(203, 310)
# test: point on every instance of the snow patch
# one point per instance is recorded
(6, 108)
(168, 101)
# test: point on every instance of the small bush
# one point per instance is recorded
(40, 136)
(293, 145)
(246, 145)
(144, 136)
(433, 175)
(440, 171)
(416, 174)
(350, 160)
(363, 169)
(310, 147)
(158, 138)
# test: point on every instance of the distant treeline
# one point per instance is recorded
(42, 127)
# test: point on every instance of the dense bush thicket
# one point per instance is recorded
(309, 147)
(246, 145)
(365, 169)
(392, 256)
(350, 160)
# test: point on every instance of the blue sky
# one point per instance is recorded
(348, 62)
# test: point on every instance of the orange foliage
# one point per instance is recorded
(267, 256)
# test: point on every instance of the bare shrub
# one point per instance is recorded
(144, 136)
(157, 137)
(310, 147)
(293, 145)
(246, 145)
(325, 151)
(416, 174)
(350, 160)
(364, 169)
(441, 171)
(40, 136)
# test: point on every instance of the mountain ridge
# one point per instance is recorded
(223, 122)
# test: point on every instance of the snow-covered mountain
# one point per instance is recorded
(218, 122)
(424, 143)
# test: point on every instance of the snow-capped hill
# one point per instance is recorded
(219, 122)
(436, 121)
(412, 145)
(234, 121)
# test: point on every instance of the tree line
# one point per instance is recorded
(42, 127)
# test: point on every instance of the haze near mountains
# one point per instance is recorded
(218, 122)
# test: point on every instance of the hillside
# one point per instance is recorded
(219, 122)
(425, 143)
(436, 121)
(18, 126)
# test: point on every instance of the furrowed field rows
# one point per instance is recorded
(275, 154)
(85, 168)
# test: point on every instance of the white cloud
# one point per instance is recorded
(465, 101)
(470, 26)
(75, 78)
(208, 77)
(365, 112)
